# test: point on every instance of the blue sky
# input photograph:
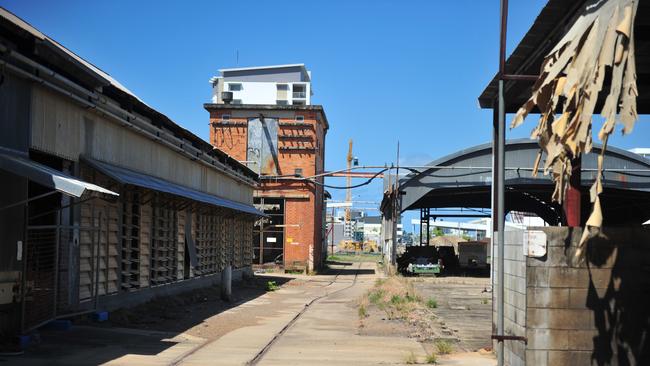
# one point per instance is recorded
(383, 70)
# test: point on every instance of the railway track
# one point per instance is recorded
(260, 355)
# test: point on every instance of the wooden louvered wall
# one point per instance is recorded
(141, 240)
(164, 241)
(99, 241)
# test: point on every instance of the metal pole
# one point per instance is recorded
(421, 226)
(262, 233)
(57, 244)
(427, 217)
(500, 222)
(500, 181)
(107, 249)
(572, 198)
(396, 212)
(97, 257)
(23, 277)
(332, 229)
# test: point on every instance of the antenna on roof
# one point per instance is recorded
(237, 57)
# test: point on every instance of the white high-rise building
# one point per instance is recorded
(267, 85)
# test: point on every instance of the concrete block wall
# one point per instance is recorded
(559, 330)
(514, 296)
(590, 311)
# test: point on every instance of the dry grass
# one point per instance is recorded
(410, 358)
(394, 295)
(444, 347)
(431, 358)
(363, 313)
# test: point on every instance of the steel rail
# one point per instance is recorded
(258, 357)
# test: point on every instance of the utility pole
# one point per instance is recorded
(332, 230)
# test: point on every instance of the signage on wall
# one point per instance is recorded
(534, 243)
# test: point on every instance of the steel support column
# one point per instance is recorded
(500, 178)
(500, 184)
(427, 217)
(572, 199)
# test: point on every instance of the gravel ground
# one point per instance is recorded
(464, 309)
(462, 316)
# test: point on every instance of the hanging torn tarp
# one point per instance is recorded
(598, 47)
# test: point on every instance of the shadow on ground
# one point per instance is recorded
(146, 329)
(337, 263)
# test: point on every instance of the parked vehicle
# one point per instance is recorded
(473, 255)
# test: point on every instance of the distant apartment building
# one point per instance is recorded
(372, 228)
(265, 85)
(269, 124)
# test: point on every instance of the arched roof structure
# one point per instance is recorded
(463, 179)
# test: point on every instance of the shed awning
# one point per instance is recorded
(127, 176)
(18, 163)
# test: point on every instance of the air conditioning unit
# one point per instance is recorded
(226, 97)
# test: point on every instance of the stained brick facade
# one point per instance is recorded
(300, 145)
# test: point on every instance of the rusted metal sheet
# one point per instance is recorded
(263, 145)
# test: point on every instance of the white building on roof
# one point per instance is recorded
(266, 85)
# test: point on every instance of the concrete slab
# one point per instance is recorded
(85, 345)
(327, 334)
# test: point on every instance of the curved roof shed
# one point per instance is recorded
(463, 179)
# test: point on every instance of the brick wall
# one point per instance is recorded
(300, 145)
(592, 312)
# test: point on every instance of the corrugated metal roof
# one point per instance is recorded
(116, 90)
(36, 33)
(549, 27)
(20, 164)
(626, 180)
(526, 59)
(127, 176)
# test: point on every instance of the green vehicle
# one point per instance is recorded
(422, 267)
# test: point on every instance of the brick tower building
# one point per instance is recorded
(283, 139)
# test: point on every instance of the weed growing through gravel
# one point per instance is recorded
(362, 311)
(376, 296)
(431, 358)
(272, 286)
(443, 347)
(395, 296)
(432, 303)
(410, 358)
